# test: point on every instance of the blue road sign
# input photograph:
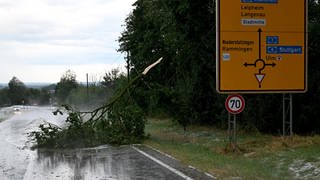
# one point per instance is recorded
(272, 40)
(284, 49)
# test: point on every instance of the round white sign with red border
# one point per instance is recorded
(235, 104)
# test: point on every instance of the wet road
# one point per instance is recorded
(17, 161)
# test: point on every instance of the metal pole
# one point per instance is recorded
(87, 85)
(229, 128)
(287, 113)
(234, 130)
(291, 112)
(283, 115)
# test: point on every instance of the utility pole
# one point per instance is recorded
(128, 66)
(87, 85)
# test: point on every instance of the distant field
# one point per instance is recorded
(259, 157)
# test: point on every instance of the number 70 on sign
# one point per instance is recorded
(235, 104)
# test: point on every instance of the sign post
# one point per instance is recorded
(261, 46)
(234, 104)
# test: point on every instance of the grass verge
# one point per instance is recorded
(261, 156)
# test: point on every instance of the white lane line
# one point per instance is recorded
(162, 153)
(177, 172)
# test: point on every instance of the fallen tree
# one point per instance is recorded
(119, 121)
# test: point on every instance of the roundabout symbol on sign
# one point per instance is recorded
(235, 104)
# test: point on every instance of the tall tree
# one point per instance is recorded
(110, 78)
(306, 106)
(67, 83)
(17, 91)
(182, 32)
(4, 97)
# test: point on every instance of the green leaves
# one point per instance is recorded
(122, 124)
(183, 33)
(47, 136)
(119, 121)
(66, 85)
(17, 91)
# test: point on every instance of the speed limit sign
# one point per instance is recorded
(235, 104)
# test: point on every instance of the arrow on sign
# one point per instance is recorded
(247, 64)
(273, 64)
(260, 63)
(259, 31)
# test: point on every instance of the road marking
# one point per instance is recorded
(171, 157)
(177, 172)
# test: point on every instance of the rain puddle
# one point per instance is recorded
(103, 163)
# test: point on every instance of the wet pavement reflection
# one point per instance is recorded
(104, 162)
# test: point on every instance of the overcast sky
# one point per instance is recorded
(42, 39)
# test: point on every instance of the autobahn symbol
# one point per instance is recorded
(235, 104)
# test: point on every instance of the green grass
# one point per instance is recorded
(260, 156)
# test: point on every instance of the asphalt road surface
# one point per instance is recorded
(19, 162)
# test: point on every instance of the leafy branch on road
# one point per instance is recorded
(119, 121)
